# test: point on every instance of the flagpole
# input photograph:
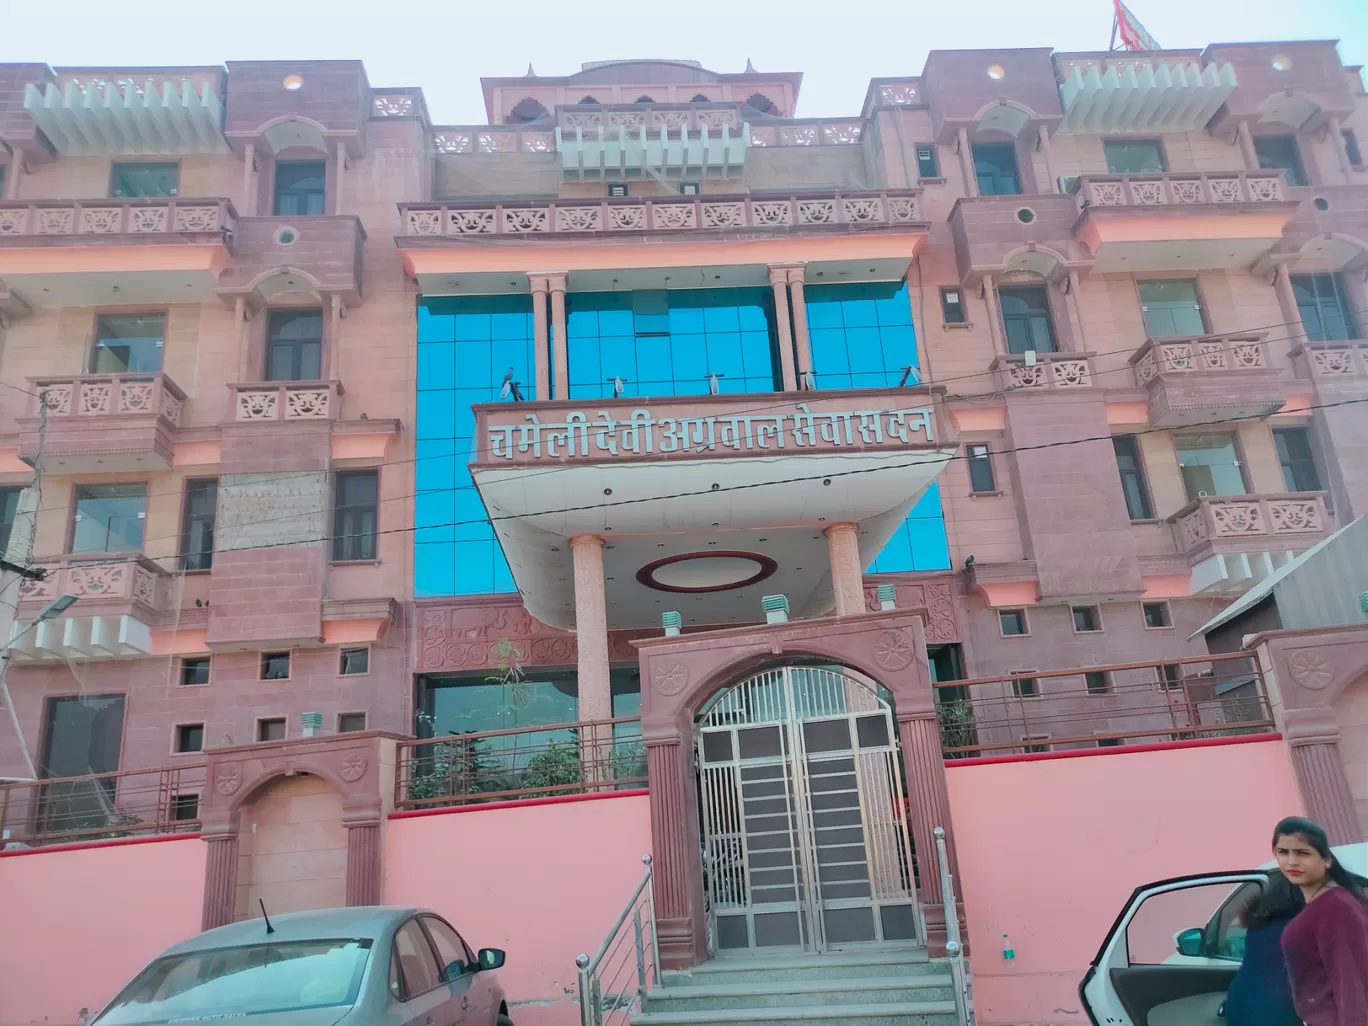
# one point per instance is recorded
(1112, 45)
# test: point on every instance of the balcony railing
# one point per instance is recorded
(1199, 355)
(1051, 371)
(530, 762)
(100, 575)
(492, 139)
(102, 806)
(670, 116)
(1161, 190)
(1266, 518)
(110, 395)
(1335, 361)
(1103, 706)
(711, 214)
(287, 400)
(809, 132)
(165, 217)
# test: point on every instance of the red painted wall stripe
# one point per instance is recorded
(518, 803)
(1083, 753)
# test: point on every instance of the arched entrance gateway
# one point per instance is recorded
(802, 809)
(779, 757)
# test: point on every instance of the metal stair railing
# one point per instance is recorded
(954, 948)
(608, 993)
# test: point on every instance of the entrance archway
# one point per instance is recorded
(292, 848)
(802, 810)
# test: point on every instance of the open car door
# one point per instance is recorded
(1172, 953)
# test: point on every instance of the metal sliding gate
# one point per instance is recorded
(804, 820)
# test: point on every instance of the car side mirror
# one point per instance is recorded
(491, 958)
(1189, 943)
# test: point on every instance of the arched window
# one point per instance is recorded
(700, 98)
(762, 103)
(588, 101)
(644, 99)
(527, 109)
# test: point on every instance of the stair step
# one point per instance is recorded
(835, 965)
(826, 993)
(915, 1013)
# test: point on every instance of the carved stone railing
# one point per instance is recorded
(1333, 361)
(809, 132)
(1051, 371)
(904, 92)
(670, 116)
(1204, 354)
(1266, 518)
(1161, 190)
(100, 575)
(492, 139)
(398, 103)
(805, 210)
(84, 218)
(110, 395)
(287, 400)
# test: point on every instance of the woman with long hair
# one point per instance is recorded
(1260, 994)
(1326, 943)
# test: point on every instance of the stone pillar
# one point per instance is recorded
(220, 879)
(540, 339)
(676, 873)
(1070, 283)
(341, 162)
(1337, 128)
(994, 327)
(1246, 141)
(1313, 737)
(13, 172)
(966, 157)
(1053, 185)
(801, 340)
(928, 808)
(779, 281)
(591, 628)
(1287, 303)
(847, 579)
(248, 179)
(363, 853)
(560, 347)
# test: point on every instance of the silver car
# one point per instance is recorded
(376, 966)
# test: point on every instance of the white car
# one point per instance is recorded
(1155, 969)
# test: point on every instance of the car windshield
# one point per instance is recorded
(258, 978)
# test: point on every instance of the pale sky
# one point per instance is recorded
(446, 46)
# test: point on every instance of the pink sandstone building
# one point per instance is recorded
(652, 436)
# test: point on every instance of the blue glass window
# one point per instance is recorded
(670, 342)
(466, 346)
(862, 337)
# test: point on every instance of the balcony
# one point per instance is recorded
(1181, 221)
(1002, 234)
(317, 256)
(1050, 372)
(661, 217)
(1191, 380)
(1333, 363)
(274, 401)
(709, 455)
(57, 253)
(102, 423)
(121, 597)
(1105, 92)
(1232, 542)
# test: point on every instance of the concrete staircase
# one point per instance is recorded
(884, 986)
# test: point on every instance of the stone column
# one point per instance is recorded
(560, 348)
(847, 580)
(1337, 127)
(13, 172)
(990, 298)
(591, 628)
(363, 854)
(801, 340)
(220, 879)
(540, 339)
(966, 157)
(675, 869)
(1246, 142)
(341, 162)
(1313, 737)
(242, 322)
(1080, 340)
(1287, 303)
(779, 281)
(928, 808)
(1044, 137)
(248, 179)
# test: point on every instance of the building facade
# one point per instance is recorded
(348, 421)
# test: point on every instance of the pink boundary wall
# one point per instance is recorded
(79, 923)
(1050, 849)
(544, 881)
